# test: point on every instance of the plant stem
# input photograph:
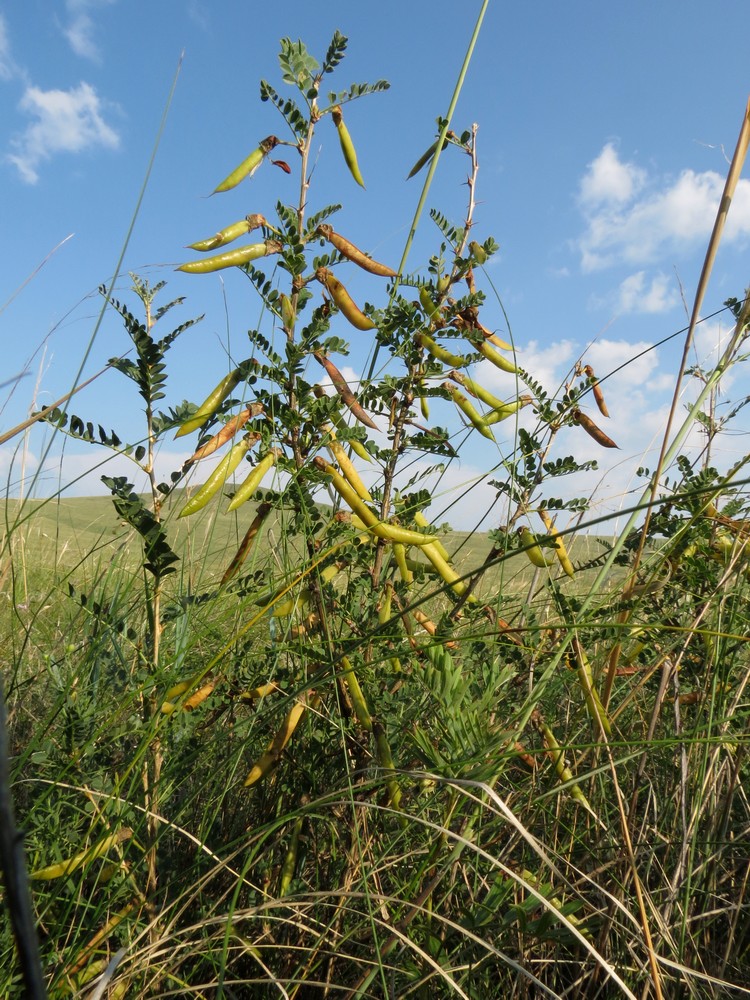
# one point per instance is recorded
(15, 875)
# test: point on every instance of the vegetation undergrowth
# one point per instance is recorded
(321, 746)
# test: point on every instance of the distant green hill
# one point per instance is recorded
(86, 531)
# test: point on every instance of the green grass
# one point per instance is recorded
(525, 882)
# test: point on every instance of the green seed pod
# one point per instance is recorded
(477, 390)
(218, 477)
(224, 236)
(533, 550)
(557, 756)
(248, 166)
(421, 522)
(253, 481)
(424, 404)
(432, 312)
(503, 412)
(478, 252)
(454, 360)
(344, 300)
(288, 315)
(358, 699)
(347, 146)
(425, 158)
(591, 695)
(494, 356)
(356, 445)
(465, 406)
(233, 258)
(560, 550)
(211, 403)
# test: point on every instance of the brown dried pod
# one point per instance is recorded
(342, 388)
(598, 394)
(354, 254)
(227, 432)
(592, 430)
(261, 514)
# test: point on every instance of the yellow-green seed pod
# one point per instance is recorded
(384, 608)
(344, 300)
(180, 688)
(468, 410)
(290, 858)
(249, 165)
(233, 232)
(254, 479)
(385, 760)
(478, 252)
(399, 553)
(555, 752)
(591, 696)
(533, 550)
(424, 403)
(478, 391)
(560, 550)
(347, 146)
(507, 410)
(70, 865)
(218, 477)
(494, 356)
(288, 315)
(270, 758)
(382, 529)
(421, 522)
(440, 353)
(446, 572)
(355, 691)
(338, 453)
(232, 258)
(425, 158)
(211, 403)
(432, 312)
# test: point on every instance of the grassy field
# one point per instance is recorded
(536, 838)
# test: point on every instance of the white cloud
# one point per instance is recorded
(546, 363)
(67, 121)
(635, 363)
(635, 219)
(636, 296)
(607, 179)
(80, 28)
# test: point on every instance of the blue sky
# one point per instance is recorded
(604, 133)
